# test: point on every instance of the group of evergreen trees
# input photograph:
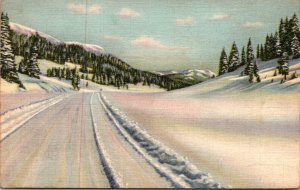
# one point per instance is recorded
(284, 43)
(286, 39)
(234, 61)
(66, 73)
(7, 58)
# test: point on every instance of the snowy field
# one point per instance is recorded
(244, 135)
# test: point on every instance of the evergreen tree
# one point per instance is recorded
(250, 59)
(223, 66)
(295, 47)
(278, 48)
(283, 61)
(33, 69)
(7, 63)
(262, 52)
(233, 58)
(76, 81)
(255, 72)
(243, 57)
(294, 26)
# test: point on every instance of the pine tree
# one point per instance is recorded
(243, 57)
(281, 62)
(233, 58)
(33, 69)
(295, 47)
(294, 26)
(7, 62)
(250, 59)
(223, 66)
(278, 48)
(255, 72)
(76, 81)
(262, 52)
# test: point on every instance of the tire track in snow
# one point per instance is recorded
(113, 179)
(176, 169)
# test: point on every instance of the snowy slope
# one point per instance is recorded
(29, 31)
(233, 82)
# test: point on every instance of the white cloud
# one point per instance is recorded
(253, 24)
(81, 8)
(126, 13)
(219, 17)
(112, 37)
(185, 21)
(149, 42)
(94, 8)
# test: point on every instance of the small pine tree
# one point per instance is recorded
(255, 72)
(282, 61)
(295, 47)
(233, 58)
(223, 66)
(257, 52)
(278, 46)
(243, 57)
(33, 69)
(250, 59)
(262, 52)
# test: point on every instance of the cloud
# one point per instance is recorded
(126, 13)
(185, 21)
(81, 8)
(112, 37)
(149, 42)
(219, 17)
(253, 24)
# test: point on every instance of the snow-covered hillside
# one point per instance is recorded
(234, 82)
(29, 31)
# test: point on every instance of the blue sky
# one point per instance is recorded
(156, 34)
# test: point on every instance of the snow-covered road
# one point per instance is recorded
(58, 148)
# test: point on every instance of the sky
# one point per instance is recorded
(156, 34)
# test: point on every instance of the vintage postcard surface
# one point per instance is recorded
(150, 94)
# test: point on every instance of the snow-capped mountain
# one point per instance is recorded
(169, 72)
(190, 76)
(29, 31)
(89, 47)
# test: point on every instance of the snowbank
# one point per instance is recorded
(12, 120)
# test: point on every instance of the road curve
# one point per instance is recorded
(54, 149)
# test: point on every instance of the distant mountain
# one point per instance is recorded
(20, 29)
(190, 76)
(98, 50)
